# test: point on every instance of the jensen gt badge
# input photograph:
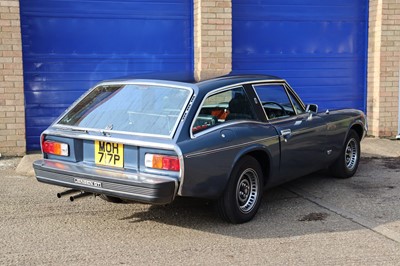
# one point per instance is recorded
(87, 182)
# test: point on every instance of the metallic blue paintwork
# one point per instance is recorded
(318, 46)
(208, 158)
(70, 45)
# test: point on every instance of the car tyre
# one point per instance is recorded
(347, 163)
(242, 197)
(111, 199)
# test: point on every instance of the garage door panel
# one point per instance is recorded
(309, 61)
(299, 10)
(37, 97)
(319, 47)
(39, 111)
(68, 46)
(325, 38)
(69, 71)
(102, 36)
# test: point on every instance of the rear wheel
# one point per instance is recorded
(347, 163)
(242, 197)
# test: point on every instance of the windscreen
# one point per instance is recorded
(146, 109)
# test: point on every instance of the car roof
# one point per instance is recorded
(227, 80)
(205, 85)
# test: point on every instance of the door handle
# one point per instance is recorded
(286, 133)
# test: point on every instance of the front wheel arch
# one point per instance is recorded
(358, 129)
(346, 164)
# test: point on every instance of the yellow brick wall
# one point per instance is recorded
(383, 67)
(212, 38)
(12, 114)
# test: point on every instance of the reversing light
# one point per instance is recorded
(56, 148)
(164, 162)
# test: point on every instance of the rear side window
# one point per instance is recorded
(146, 109)
(222, 107)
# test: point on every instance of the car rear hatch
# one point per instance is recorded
(118, 140)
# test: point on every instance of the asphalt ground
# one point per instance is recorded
(315, 220)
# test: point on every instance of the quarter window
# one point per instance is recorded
(296, 104)
(223, 107)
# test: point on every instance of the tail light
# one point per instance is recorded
(54, 147)
(163, 162)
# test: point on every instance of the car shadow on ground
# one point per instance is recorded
(282, 213)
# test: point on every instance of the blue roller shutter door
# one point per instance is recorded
(320, 47)
(68, 46)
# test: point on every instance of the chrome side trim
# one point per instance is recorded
(230, 123)
(197, 154)
(178, 188)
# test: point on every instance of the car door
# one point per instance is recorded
(302, 134)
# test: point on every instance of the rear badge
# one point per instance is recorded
(87, 182)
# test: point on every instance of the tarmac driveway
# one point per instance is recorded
(316, 220)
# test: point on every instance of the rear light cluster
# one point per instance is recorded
(54, 147)
(164, 162)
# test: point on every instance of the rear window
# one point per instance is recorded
(146, 109)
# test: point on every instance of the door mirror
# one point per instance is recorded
(312, 108)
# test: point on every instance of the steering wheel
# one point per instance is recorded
(278, 104)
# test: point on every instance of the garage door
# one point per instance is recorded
(320, 47)
(69, 45)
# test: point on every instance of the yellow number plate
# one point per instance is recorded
(108, 153)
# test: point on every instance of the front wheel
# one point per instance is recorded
(242, 197)
(347, 163)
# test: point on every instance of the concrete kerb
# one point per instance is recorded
(376, 147)
(370, 147)
(25, 165)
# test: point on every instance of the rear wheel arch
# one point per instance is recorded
(263, 158)
(242, 196)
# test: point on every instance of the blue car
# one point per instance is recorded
(226, 139)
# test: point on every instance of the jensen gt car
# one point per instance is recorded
(226, 139)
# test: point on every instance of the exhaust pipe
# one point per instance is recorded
(67, 192)
(81, 195)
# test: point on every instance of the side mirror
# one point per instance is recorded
(312, 108)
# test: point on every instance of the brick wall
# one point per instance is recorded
(212, 38)
(383, 67)
(12, 115)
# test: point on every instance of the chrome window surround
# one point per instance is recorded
(288, 90)
(211, 93)
(225, 88)
(131, 82)
(294, 94)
